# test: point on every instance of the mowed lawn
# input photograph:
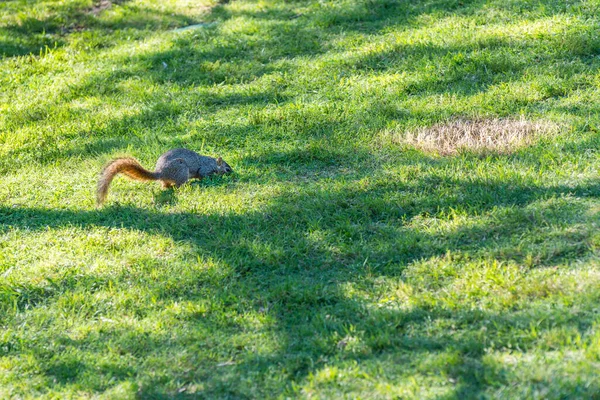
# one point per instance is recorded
(344, 258)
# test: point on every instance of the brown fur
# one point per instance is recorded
(483, 135)
(127, 166)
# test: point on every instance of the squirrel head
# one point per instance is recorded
(223, 167)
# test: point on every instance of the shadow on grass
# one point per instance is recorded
(293, 260)
(216, 56)
(66, 20)
(166, 197)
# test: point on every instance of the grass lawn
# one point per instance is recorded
(342, 259)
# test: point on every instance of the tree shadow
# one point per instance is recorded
(298, 276)
(355, 232)
(215, 56)
(65, 20)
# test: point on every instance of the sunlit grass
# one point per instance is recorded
(341, 259)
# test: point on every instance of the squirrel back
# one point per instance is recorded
(174, 167)
(200, 166)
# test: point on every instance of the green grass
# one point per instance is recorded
(337, 262)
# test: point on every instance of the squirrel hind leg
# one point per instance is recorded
(181, 177)
(176, 173)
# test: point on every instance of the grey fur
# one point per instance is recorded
(199, 166)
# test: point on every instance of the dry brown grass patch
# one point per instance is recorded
(497, 135)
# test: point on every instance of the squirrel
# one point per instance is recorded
(173, 168)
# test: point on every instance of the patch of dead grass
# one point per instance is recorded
(494, 135)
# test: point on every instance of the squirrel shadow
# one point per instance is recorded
(165, 197)
(214, 181)
(168, 197)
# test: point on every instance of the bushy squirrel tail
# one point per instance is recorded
(127, 166)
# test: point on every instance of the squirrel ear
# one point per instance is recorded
(219, 161)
